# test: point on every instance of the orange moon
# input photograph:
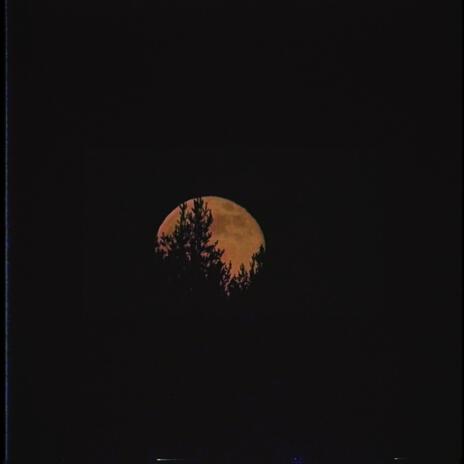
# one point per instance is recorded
(233, 227)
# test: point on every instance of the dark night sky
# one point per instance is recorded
(337, 126)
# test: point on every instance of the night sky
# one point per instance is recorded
(338, 128)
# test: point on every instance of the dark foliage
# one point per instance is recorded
(192, 264)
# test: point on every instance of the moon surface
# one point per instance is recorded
(233, 227)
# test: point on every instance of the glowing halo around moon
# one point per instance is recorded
(234, 228)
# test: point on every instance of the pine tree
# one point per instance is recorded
(174, 248)
(244, 279)
(240, 282)
(257, 263)
(191, 259)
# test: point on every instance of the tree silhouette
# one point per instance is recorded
(257, 263)
(191, 260)
(239, 282)
(194, 263)
(243, 280)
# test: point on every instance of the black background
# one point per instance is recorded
(337, 126)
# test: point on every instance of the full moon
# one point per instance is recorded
(233, 227)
